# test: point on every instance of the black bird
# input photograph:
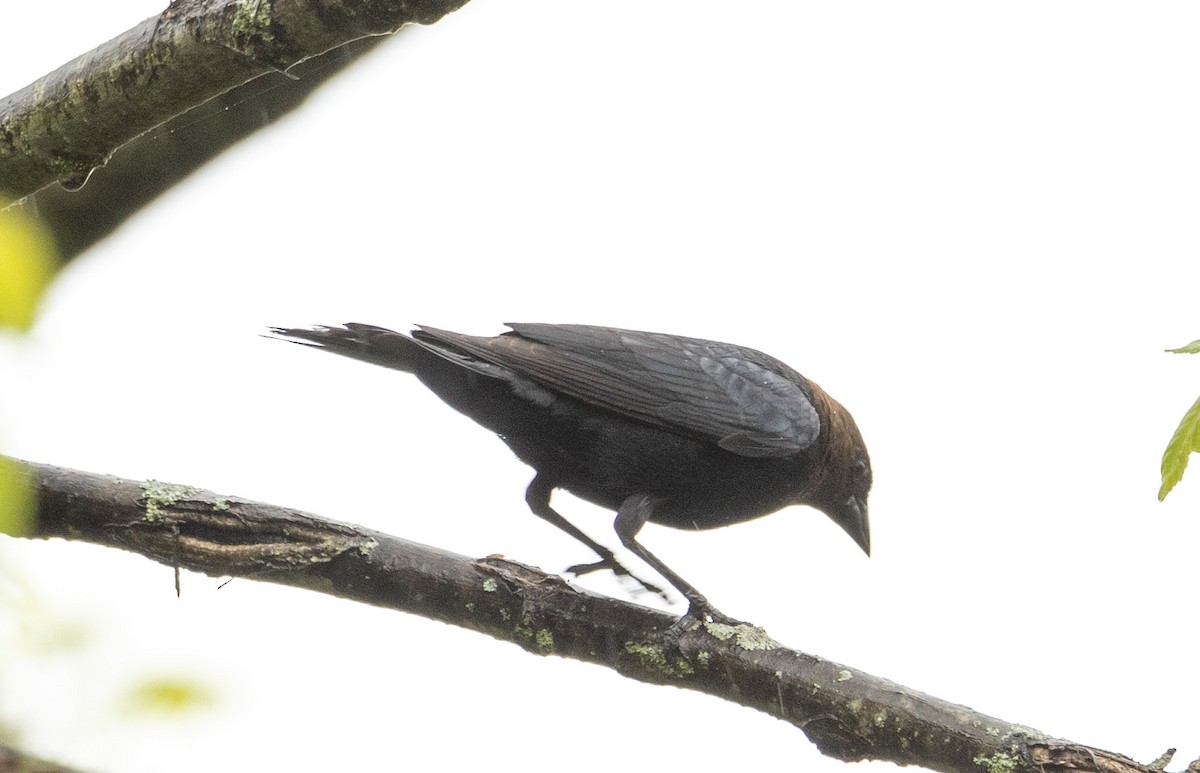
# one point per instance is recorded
(683, 432)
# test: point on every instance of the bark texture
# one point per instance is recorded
(848, 714)
(151, 164)
(71, 121)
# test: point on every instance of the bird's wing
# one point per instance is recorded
(745, 401)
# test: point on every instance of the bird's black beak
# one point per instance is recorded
(852, 516)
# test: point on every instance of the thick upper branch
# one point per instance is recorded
(850, 715)
(70, 121)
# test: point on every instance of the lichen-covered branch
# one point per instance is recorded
(151, 164)
(848, 714)
(69, 122)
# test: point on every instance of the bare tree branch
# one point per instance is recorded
(71, 121)
(848, 714)
(15, 761)
(149, 165)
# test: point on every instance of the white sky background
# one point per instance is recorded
(972, 224)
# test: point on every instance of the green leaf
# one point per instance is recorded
(27, 263)
(1175, 459)
(167, 695)
(17, 500)
(1191, 348)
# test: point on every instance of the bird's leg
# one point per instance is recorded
(537, 496)
(631, 517)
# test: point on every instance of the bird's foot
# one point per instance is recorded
(620, 571)
(700, 614)
(710, 614)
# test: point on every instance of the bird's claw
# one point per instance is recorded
(700, 613)
(710, 614)
(620, 571)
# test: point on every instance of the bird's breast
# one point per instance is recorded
(604, 459)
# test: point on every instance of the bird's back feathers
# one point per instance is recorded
(747, 402)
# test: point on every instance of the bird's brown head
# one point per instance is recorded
(844, 479)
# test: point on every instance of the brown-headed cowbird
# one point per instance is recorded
(683, 432)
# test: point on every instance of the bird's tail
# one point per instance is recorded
(360, 342)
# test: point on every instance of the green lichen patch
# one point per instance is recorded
(747, 637)
(997, 763)
(654, 657)
(489, 585)
(252, 21)
(158, 496)
(542, 639)
(1024, 731)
